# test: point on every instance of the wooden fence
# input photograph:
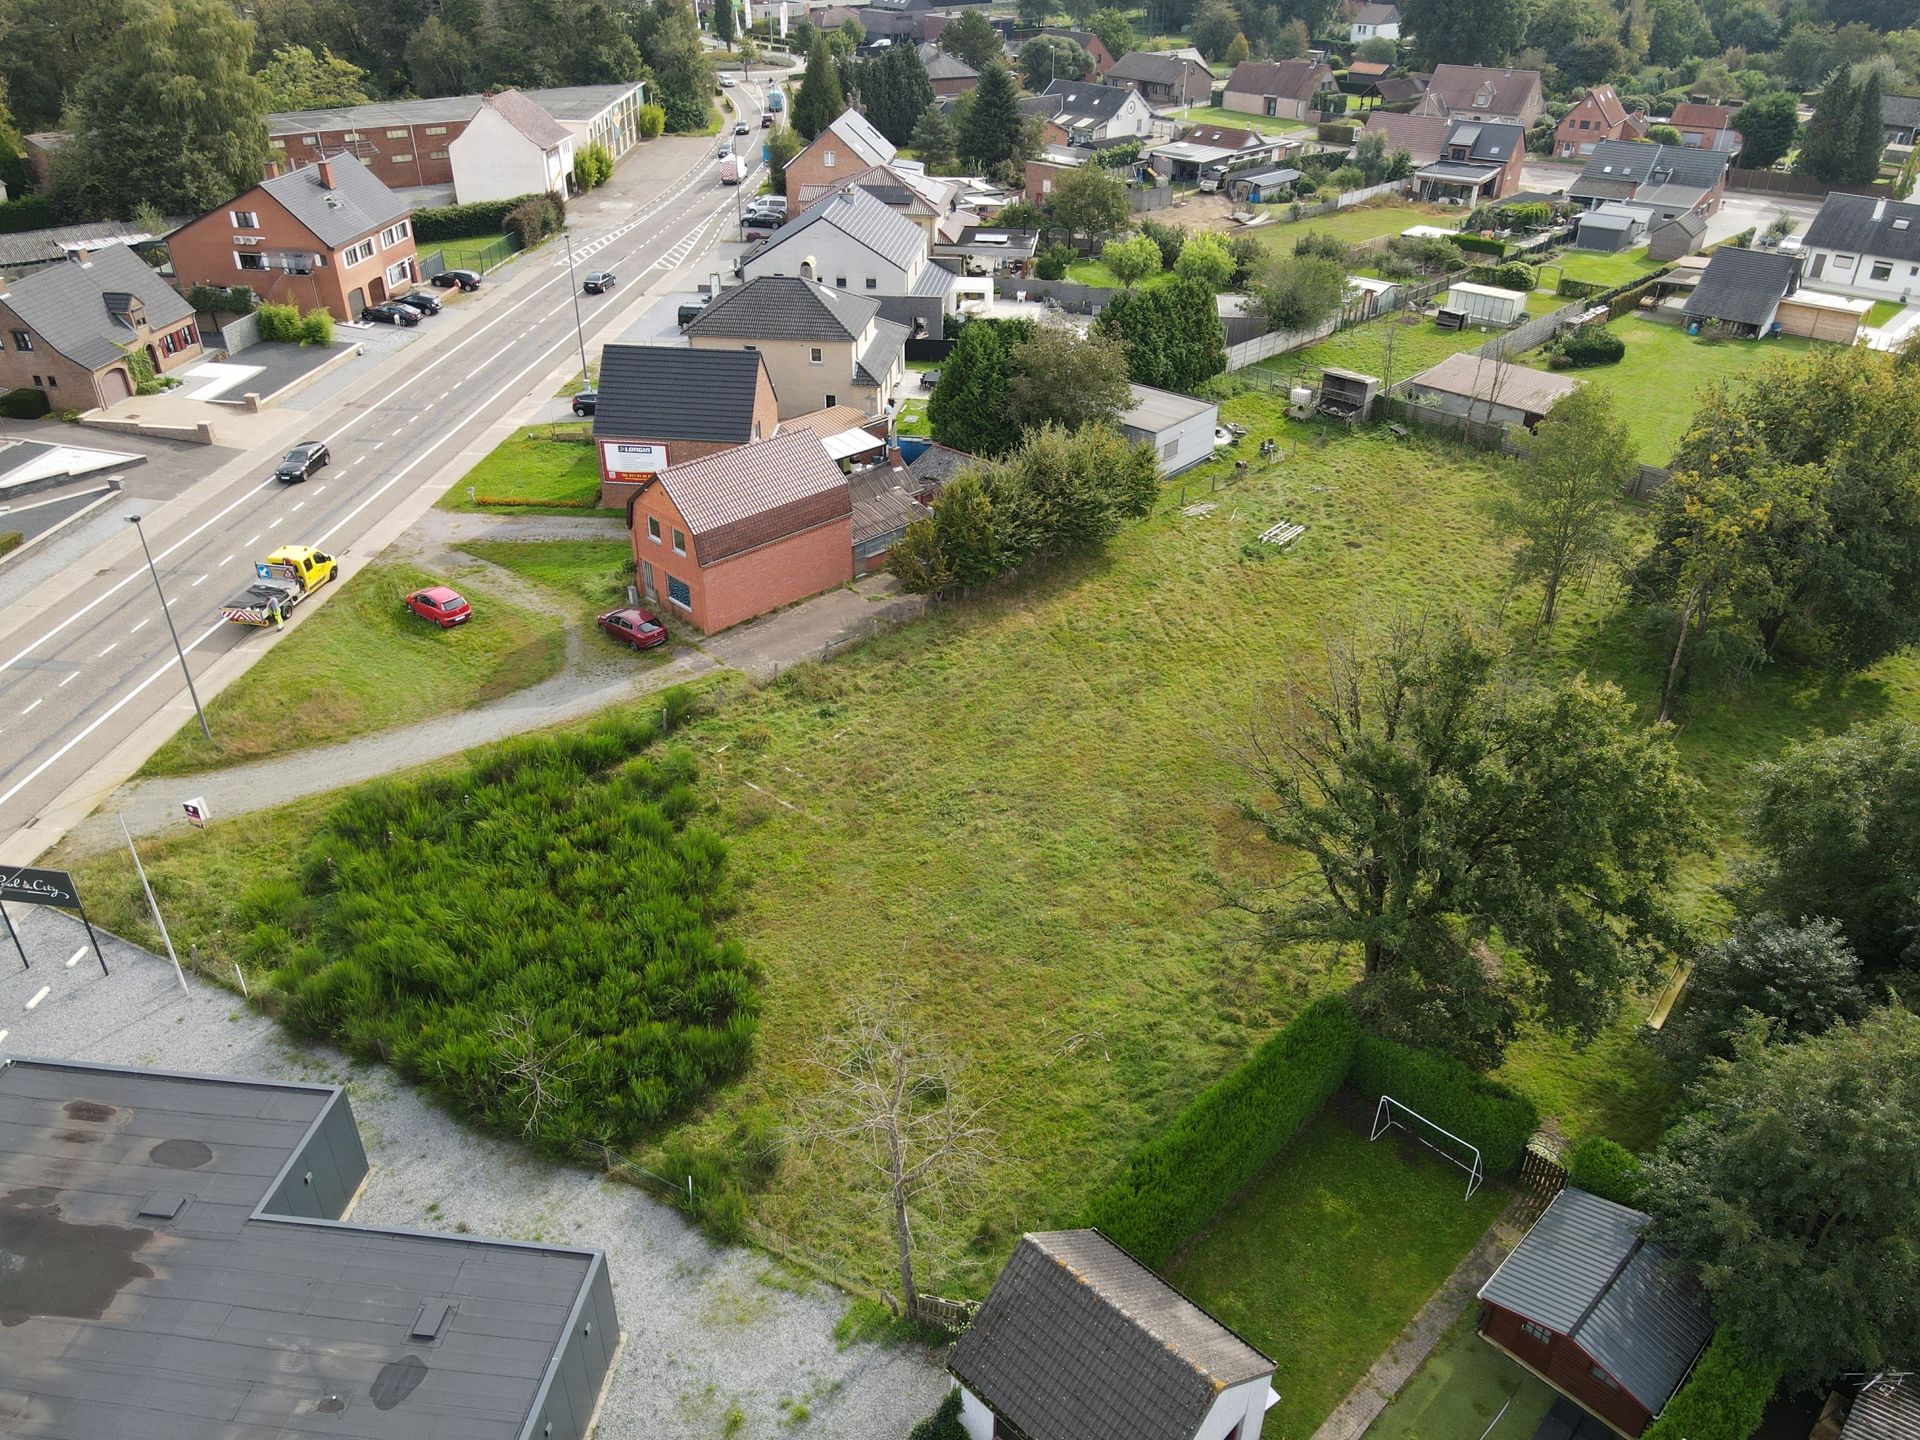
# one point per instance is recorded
(1542, 1177)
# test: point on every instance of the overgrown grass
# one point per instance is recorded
(592, 575)
(1389, 348)
(539, 469)
(1241, 120)
(1327, 1256)
(363, 663)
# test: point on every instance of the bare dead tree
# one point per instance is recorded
(532, 1066)
(889, 1104)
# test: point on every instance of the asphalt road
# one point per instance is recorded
(91, 661)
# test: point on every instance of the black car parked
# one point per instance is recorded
(465, 279)
(419, 300)
(390, 314)
(585, 401)
(599, 282)
(305, 458)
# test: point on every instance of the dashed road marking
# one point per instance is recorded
(198, 583)
(44, 991)
(114, 646)
(71, 677)
(34, 706)
(226, 559)
(141, 626)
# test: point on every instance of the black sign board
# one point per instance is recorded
(39, 887)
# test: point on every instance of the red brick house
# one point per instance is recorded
(1596, 1310)
(847, 146)
(1600, 115)
(1706, 127)
(328, 236)
(738, 533)
(662, 405)
(66, 329)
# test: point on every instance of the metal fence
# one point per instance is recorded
(488, 257)
(1535, 330)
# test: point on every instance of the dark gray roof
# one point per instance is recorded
(862, 217)
(1691, 221)
(26, 248)
(668, 392)
(66, 304)
(1600, 187)
(880, 506)
(1644, 163)
(1079, 1341)
(942, 66)
(1742, 287)
(1886, 1410)
(1491, 142)
(1862, 225)
(1155, 67)
(1900, 112)
(785, 307)
(1585, 1271)
(564, 102)
(1085, 100)
(883, 353)
(357, 205)
(178, 1273)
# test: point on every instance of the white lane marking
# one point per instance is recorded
(428, 406)
(378, 443)
(319, 489)
(44, 991)
(248, 542)
(298, 506)
(111, 711)
(226, 560)
(35, 705)
(71, 677)
(74, 959)
(398, 428)
(138, 628)
(114, 646)
(4, 1034)
(198, 583)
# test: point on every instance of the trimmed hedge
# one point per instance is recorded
(24, 404)
(1514, 275)
(943, 1423)
(462, 222)
(1480, 1111)
(1723, 1398)
(1601, 1167)
(1480, 244)
(1180, 1179)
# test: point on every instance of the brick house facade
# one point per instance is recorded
(660, 405)
(1600, 115)
(66, 329)
(849, 145)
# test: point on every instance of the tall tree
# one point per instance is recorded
(1114, 29)
(297, 79)
(896, 91)
(668, 34)
(1789, 1190)
(1825, 147)
(1867, 141)
(13, 163)
(169, 115)
(725, 22)
(1088, 202)
(1172, 333)
(934, 141)
(1047, 58)
(440, 61)
(1061, 377)
(45, 47)
(1563, 500)
(1795, 979)
(973, 39)
(994, 132)
(782, 146)
(1465, 32)
(1214, 27)
(1447, 804)
(1680, 32)
(819, 101)
(968, 409)
(1033, 13)
(1767, 125)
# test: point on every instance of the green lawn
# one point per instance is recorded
(1457, 1393)
(911, 419)
(1361, 222)
(550, 469)
(1882, 312)
(1267, 124)
(1095, 272)
(1655, 384)
(1326, 1257)
(474, 252)
(1388, 347)
(363, 663)
(1597, 268)
(590, 575)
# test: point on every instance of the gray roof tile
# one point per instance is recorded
(528, 118)
(668, 392)
(785, 307)
(863, 218)
(1863, 225)
(1643, 163)
(358, 204)
(1742, 287)
(66, 304)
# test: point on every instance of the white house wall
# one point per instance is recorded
(1856, 277)
(1183, 444)
(1243, 1405)
(493, 161)
(835, 256)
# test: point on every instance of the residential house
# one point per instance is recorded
(1280, 89)
(1706, 127)
(1079, 112)
(1483, 92)
(1682, 235)
(1613, 227)
(409, 143)
(512, 147)
(1596, 1310)
(949, 73)
(823, 347)
(1489, 391)
(66, 330)
(1370, 21)
(1216, 147)
(1598, 116)
(849, 145)
(1163, 79)
(328, 236)
(1899, 119)
(1078, 1339)
(1044, 172)
(743, 531)
(1178, 427)
(1479, 160)
(902, 186)
(1423, 137)
(662, 405)
(1666, 180)
(854, 241)
(1864, 245)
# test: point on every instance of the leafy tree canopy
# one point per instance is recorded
(297, 79)
(1171, 332)
(1795, 979)
(1465, 32)
(972, 38)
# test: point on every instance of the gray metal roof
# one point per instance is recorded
(1080, 1341)
(785, 307)
(885, 352)
(1154, 410)
(1742, 287)
(563, 102)
(1863, 225)
(880, 506)
(1887, 1410)
(174, 1278)
(868, 143)
(66, 304)
(41, 247)
(528, 118)
(1584, 1271)
(863, 218)
(358, 203)
(668, 392)
(581, 103)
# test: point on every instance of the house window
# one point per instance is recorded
(830, 160)
(815, 355)
(1882, 270)
(646, 579)
(436, 129)
(399, 273)
(679, 594)
(354, 254)
(396, 134)
(393, 234)
(311, 140)
(436, 155)
(249, 260)
(245, 219)
(1843, 262)
(1534, 1332)
(406, 159)
(873, 282)
(351, 136)
(653, 529)
(278, 144)
(839, 282)
(1604, 1378)
(53, 382)
(679, 543)
(22, 341)
(831, 400)
(36, 383)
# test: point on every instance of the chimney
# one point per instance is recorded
(713, 285)
(1879, 211)
(325, 167)
(273, 169)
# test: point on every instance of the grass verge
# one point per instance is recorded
(539, 469)
(591, 575)
(475, 252)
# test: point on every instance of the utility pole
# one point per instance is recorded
(579, 334)
(135, 521)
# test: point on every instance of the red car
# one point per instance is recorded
(639, 628)
(446, 608)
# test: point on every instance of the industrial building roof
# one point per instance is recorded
(666, 393)
(1585, 1271)
(357, 203)
(170, 1276)
(749, 496)
(66, 304)
(566, 102)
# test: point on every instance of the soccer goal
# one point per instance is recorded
(1386, 1117)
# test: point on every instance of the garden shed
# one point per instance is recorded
(1820, 316)
(1179, 427)
(1611, 228)
(1492, 392)
(1487, 305)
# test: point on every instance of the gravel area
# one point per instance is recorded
(719, 1342)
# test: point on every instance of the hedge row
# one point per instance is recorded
(11, 540)
(461, 222)
(1601, 1167)
(29, 212)
(1723, 1398)
(24, 404)
(1480, 1111)
(1179, 1180)
(1480, 244)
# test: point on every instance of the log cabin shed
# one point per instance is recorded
(1596, 1310)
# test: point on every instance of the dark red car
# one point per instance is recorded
(446, 608)
(639, 628)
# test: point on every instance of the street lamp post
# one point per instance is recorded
(164, 610)
(579, 334)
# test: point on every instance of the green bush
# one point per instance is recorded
(1337, 132)
(1480, 244)
(1053, 262)
(1742, 241)
(279, 322)
(24, 404)
(1480, 1111)
(530, 937)
(1177, 1181)
(461, 222)
(1602, 1167)
(1569, 289)
(1723, 1398)
(534, 219)
(29, 212)
(1513, 275)
(1320, 244)
(943, 1423)
(11, 540)
(1580, 346)
(652, 120)
(316, 328)
(222, 299)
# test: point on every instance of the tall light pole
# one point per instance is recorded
(134, 520)
(566, 239)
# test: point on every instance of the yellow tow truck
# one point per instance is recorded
(281, 581)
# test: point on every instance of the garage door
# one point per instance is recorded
(115, 387)
(1817, 322)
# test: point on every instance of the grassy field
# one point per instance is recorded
(542, 469)
(1597, 268)
(1095, 272)
(1459, 1390)
(473, 252)
(1266, 124)
(1325, 1258)
(1361, 222)
(1882, 312)
(590, 575)
(1655, 383)
(1389, 348)
(363, 663)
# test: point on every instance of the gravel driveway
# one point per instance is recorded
(719, 1342)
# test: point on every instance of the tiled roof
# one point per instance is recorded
(1085, 100)
(949, 67)
(1225, 137)
(1079, 1341)
(1742, 287)
(1155, 67)
(1863, 225)
(1606, 100)
(1289, 79)
(830, 421)
(1488, 141)
(1421, 136)
(1376, 15)
(749, 496)
(358, 204)
(528, 118)
(1901, 111)
(883, 354)
(66, 304)
(1398, 88)
(1496, 382)
(668, 392)
(1691, 116)
(863, 218)
(1642, 163)
(1484, 88)
(784, 307)
(858, 132)
(936, 465)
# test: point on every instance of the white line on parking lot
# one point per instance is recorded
(44, 991)
(4, 1034)
(138, 628)
(74, 959)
